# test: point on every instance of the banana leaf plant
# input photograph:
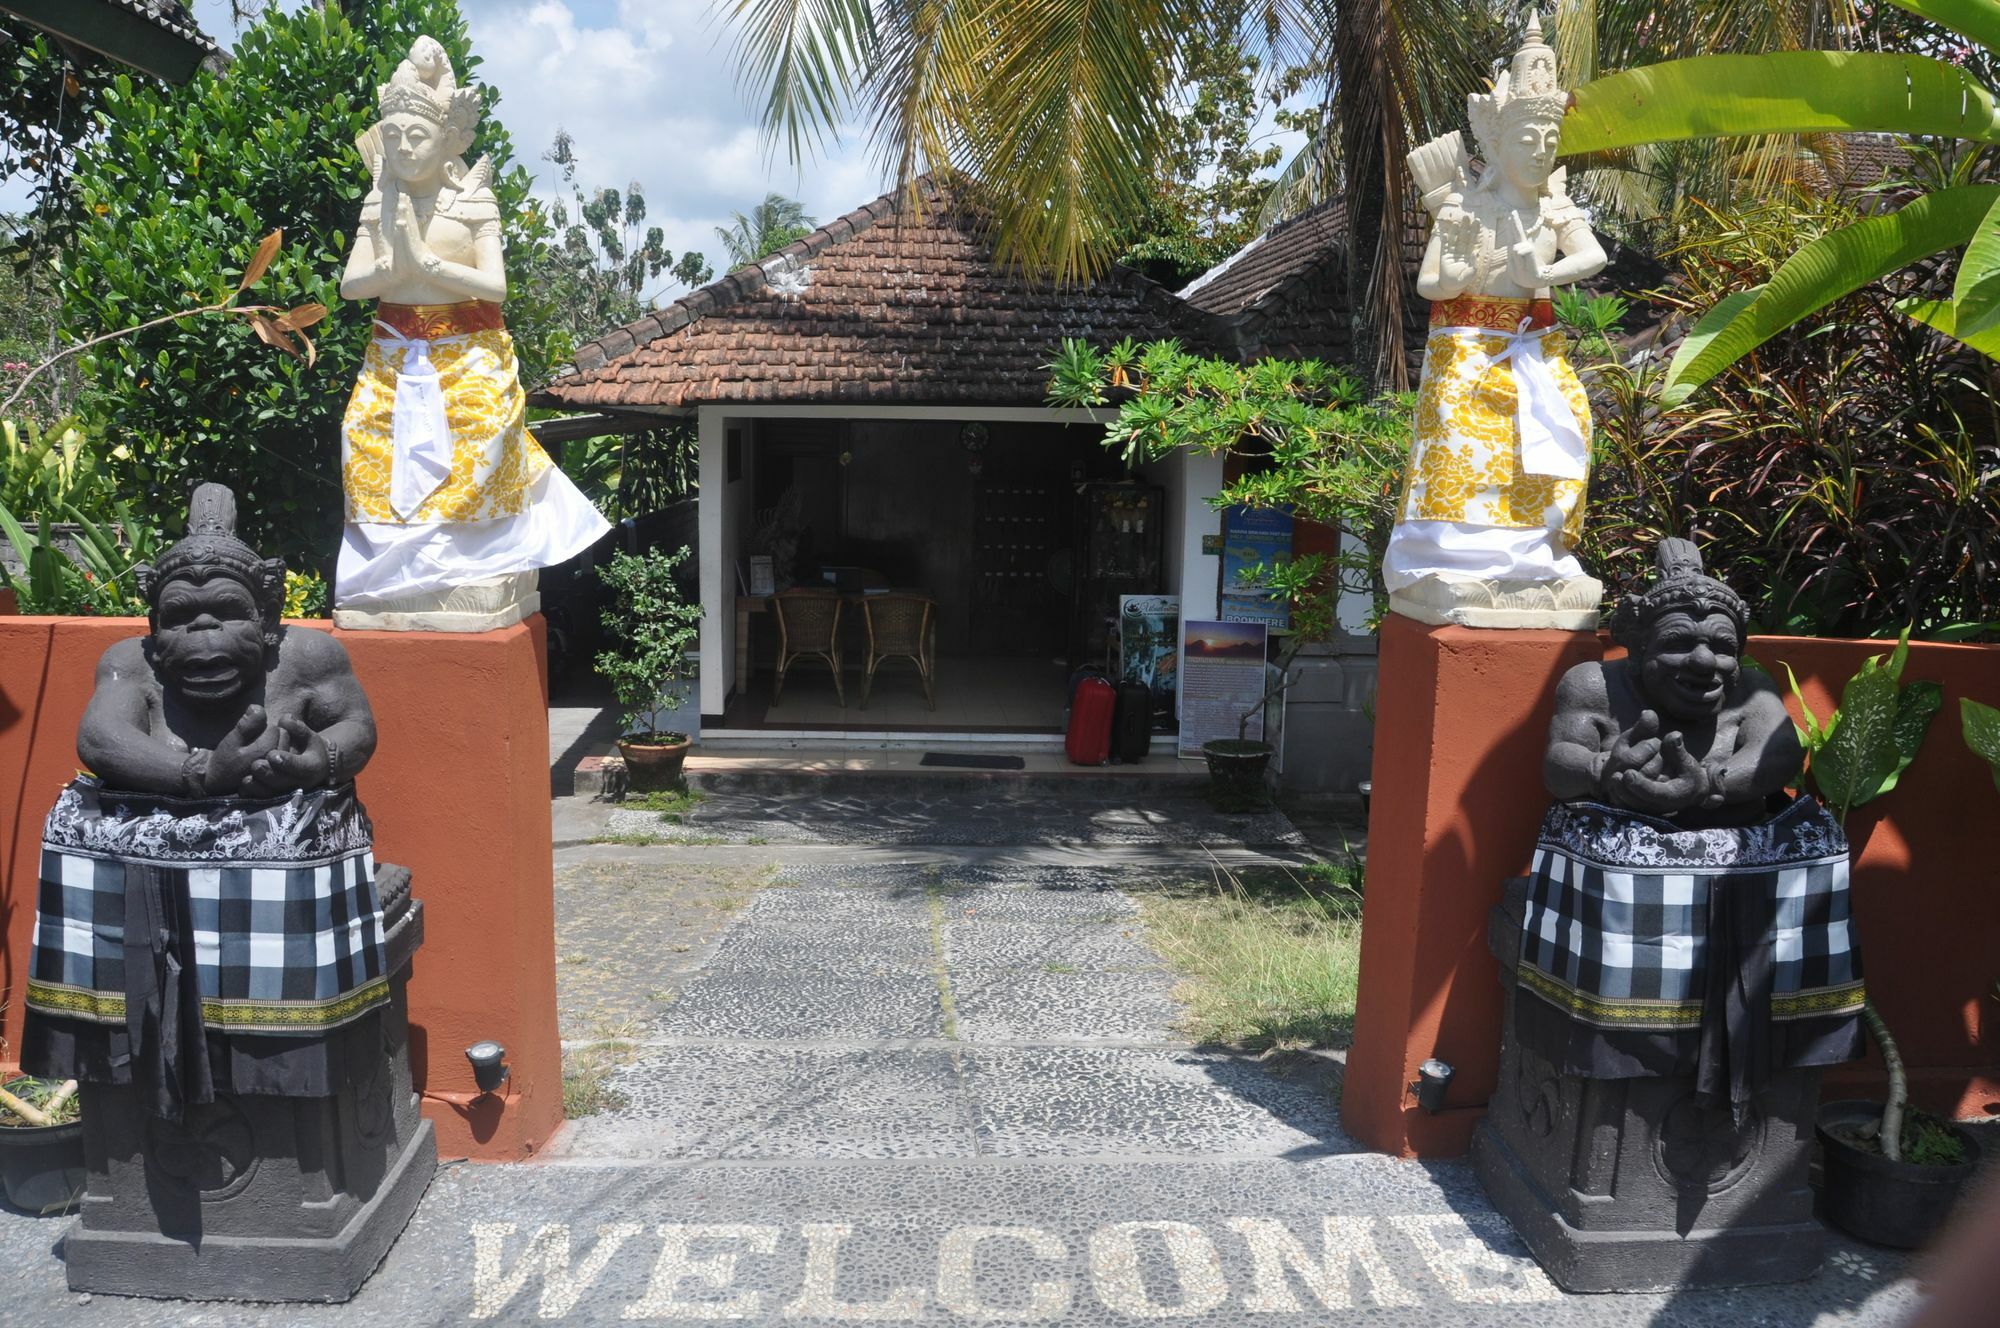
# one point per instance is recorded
(1817, 92)
(1858, 755)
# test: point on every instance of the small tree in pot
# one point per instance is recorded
(650, 627)
(1310, 441)
(1891, 1173)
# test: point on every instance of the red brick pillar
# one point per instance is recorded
(1461, 717)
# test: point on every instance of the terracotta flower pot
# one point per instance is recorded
(653, 760)
(1899, 1204)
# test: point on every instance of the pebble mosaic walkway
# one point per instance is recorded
(946, 1090)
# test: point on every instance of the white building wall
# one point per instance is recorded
(1200, 573)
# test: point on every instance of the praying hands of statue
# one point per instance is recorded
(266, 757)
(1649, 770)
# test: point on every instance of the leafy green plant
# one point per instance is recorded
(306, 595)
(1591, 321)
(92, 576)
(1840, 476)
(1980, 724)
(650, 627)
(1312, 440)
(1870, 740)
(1826, 92)
(43, 467)
(1854, 758)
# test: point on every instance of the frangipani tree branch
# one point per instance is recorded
(274, 325)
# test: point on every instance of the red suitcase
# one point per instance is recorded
(1089, 738)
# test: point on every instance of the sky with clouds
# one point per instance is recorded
(647, 90)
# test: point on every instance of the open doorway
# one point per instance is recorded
(1018, 536)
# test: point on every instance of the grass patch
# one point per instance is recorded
(673, 804)
(652, 841)
(586, 1072)
(1271, 958)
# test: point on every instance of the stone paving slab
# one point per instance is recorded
(1010, 1006)
(955, 816)
(710, 1101)
(978, 936)
(779, 1004)
(1327, 1241)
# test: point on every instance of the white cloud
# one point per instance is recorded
(647, 90)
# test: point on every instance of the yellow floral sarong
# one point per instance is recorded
(493, 462)
(1466, 463)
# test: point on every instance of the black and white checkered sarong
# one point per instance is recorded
(1647, 949)
(277, 900)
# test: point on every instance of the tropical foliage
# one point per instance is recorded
(601, 266)
(1841, 477)
(1913, 92)
(1309, 438)
(1067, 109)
(170, 187)
(1854, 758)
(764, 230)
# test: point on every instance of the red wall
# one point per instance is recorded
(1461, 720)
(459, 793)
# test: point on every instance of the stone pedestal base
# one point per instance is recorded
(483, 606)
(254, 1197)
(1567, 606)
(1629, 1185)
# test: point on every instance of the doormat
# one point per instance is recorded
(974, 761)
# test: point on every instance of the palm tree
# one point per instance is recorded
(1064, 107)
(771, 225)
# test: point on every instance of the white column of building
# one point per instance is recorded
(1201, 479)
(718, 587)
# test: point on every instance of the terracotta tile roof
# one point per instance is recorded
(174, 16)
(1279, 254)
(880, 306)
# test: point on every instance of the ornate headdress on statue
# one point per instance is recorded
(211, 549)
(423, 85)
(1682, 586)
(1529, 90)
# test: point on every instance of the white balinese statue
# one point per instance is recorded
(451, 506)
(1499, 456)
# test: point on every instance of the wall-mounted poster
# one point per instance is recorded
(1254, 537)
(1222, 675)
(1149, 644)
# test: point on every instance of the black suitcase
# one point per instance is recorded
(1132, 722)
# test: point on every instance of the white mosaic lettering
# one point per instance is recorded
(819, 1298)
(958, 1289)
(1509, 1280)
(1344, 1240)
(548, 1250)
(676, 1267)
(1114, 1267)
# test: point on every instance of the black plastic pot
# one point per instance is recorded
(41, 1166)
(1899, 1204)
(1236, 773)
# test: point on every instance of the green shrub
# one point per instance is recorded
(173, 193)
(651, 627)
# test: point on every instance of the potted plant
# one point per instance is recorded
(1890, 1173)
(41, 1144)
(650, 627)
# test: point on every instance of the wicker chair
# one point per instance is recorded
(808, 628)
(901, 627)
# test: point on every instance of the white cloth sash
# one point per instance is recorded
(420, 431)
(1551, 442)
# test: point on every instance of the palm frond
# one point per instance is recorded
(808, 56)
(1072, 118)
